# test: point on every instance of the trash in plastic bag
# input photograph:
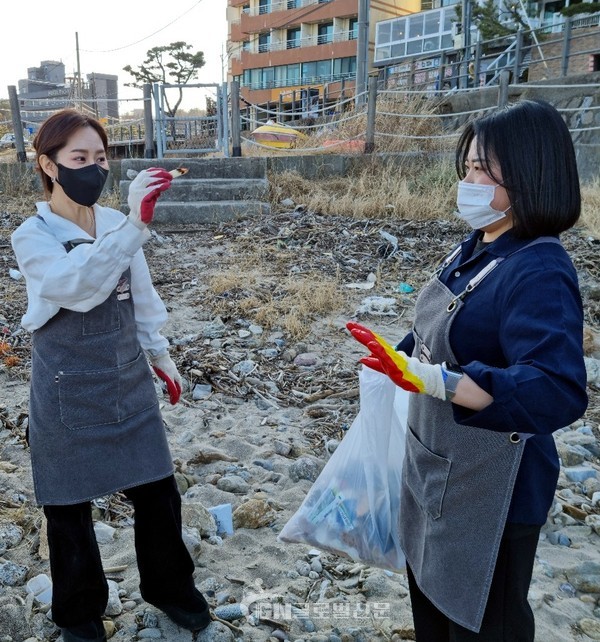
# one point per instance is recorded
(352, 509)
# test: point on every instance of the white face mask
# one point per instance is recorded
(473, 202)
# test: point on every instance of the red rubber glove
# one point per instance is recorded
(407, 372)
(166, 370)
(144, 191)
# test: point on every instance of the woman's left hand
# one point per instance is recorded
(166, 369)
(407, 372)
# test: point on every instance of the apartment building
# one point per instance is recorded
(282, 51)
(47, 89)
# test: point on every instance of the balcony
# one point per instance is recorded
(300, 43)
(281, 5)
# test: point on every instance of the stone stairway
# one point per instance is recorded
(214, 189)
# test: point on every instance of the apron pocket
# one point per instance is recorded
(103, 318)
(426, 475)
(99, 397)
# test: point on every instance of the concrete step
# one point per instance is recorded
(251, 167)
(186, 189)
(179, 213)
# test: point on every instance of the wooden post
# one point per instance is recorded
(236, 141)
(371, 113)
(149, 151)
(503, 88)
(518, 54)
(564, 62)
(17, 124)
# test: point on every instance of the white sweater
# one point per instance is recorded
(84, 277)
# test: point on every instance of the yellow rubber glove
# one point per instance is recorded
(407, 372)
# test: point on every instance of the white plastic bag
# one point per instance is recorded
(352, 508)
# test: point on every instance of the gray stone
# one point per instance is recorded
(10, 535)
(305, 468)
(114, 606)
(12, 574)
(590, 627)
(215, 632)
(195, 515)
(306, 360)
(233, 484)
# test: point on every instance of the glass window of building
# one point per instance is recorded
(325, 33)
(293, 38)
(324, 68)
(268, 77)
(384, 32)
(353, 29)
(264, 40)
(293, 73)
(425, 32)
(309, 71)
(415, 26)
(399, 29)
(264, 6)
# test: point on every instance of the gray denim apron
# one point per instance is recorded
(94, 422)
(457, 480)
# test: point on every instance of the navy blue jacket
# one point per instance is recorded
(519, 336)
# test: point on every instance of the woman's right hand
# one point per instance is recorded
(144, 191)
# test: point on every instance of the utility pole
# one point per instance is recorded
(463, 80)
(362, 54)
(79, 92)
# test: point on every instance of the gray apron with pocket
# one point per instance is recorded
(94, 422)
(457, 481)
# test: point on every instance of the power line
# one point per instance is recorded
(137, 42)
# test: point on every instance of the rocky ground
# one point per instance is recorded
(257, 315)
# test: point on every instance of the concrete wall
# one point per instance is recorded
(577, 93)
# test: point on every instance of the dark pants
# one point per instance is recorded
(508, 616)
(80, 590)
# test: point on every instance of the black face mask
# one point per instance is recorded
(83, 185)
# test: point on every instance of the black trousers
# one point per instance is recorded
(80, 590)
(508, 616)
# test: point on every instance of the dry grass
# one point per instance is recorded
(590, 216)
(291, 304)
(402, 124)
(414, 190)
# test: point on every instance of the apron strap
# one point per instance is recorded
(482, 274)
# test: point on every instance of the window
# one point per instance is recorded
(344, 65)
(323, 68)
(293, 38)
(384, 32)
(432, 22)
(398, 29)
(353, 29)
(325, 33)
(425, 32)
(268, 77)
(292, 4)
(255, 77)
(309, 71)
(415, 26)
(264, 6)
(264, 40)
(293, 73)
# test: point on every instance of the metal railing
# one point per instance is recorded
(543, 52)
(308, 41)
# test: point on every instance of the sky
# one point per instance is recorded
(111, 35)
